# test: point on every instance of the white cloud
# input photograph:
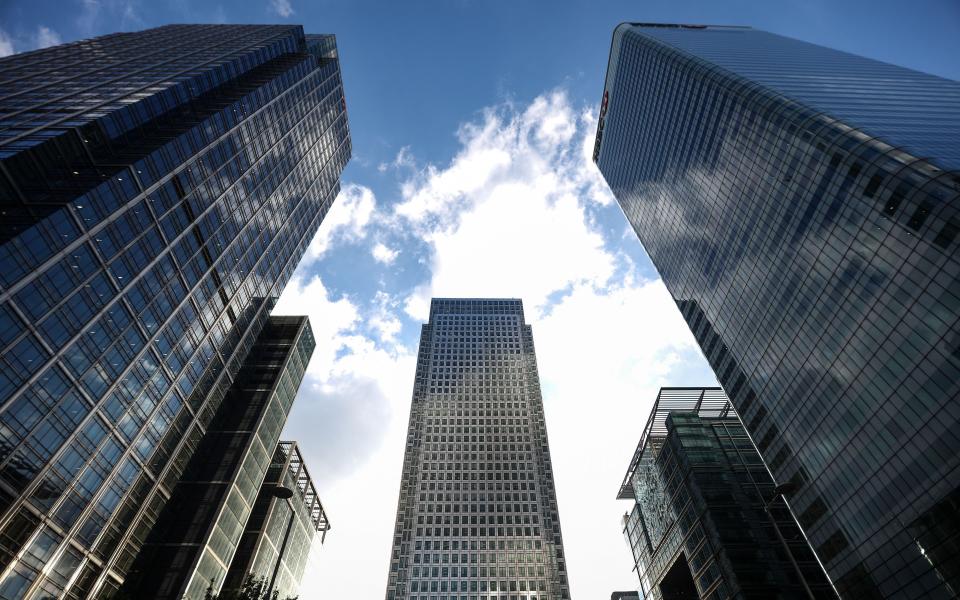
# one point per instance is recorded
(349, 373)
(403, 160)
(330, 319)
(384, 254)
(347, 220)
(384, 321)
(520, 211)
(602, 358)
(104, 16)
(511, 214)
(6, 44)
(350, 419)
(89, 14)
(46, 37)
(281, 7)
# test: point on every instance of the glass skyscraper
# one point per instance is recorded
(280, 532)
(157, 190)
(198, 533)
(477, 516)
(800, 203)
(706, 521)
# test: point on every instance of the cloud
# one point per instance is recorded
(43, 37)
(384, 254)
(6, 44)
(329, 319)
(384, 321)
(282, 8)
(518, 211)
(512, 214)
(46, 37)
(602, 356)
(346, 222)
(350, 418)
(104, 16)
(404, 159)
(352, 381)
(521, 211)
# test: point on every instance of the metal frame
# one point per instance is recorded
(706, 402)
(304, 486)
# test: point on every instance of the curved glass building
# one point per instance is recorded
(157, 190)
(801, 205)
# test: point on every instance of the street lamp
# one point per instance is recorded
(782, 491)
(283, 493)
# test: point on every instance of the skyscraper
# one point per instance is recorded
(801, 205)
(706, 520)
(477, 516)
(280, 531)
(158, 189)
(198, 532)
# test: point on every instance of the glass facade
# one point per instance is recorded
(158, 189)
(199, 529)
(477, 516)
(801, 205)
(699, 527)
(276, 524)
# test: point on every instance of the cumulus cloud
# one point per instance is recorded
(404, 159)
(511, 214)
(384, 322)
(350, 418)
(97, 17)
(281, 7)
(46, 37)
(353, 383)
(347, 220)
(384, 254)
(603, 355)
(6, 44)
(330, 319)
(519, 211)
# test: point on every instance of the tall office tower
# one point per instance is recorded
(801, 205)
(281, 529)
(158, 189)
(706, 521)
(199, 530)
(477, 517)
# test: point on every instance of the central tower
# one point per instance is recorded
(477, 517)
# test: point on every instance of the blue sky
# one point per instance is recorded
(472, 123)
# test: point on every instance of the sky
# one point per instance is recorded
(472, 125)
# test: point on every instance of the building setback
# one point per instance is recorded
(477, 516)
(280, 531)
(158, 189)
(193, 544)
(800, 204)
(699, 527)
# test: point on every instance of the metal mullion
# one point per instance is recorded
(7, 294)
(4, 142)
(211, 523)
(159, 477)
(79, 44)
(95, 405)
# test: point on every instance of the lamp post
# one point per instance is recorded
(781, 491)
(283, 493)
